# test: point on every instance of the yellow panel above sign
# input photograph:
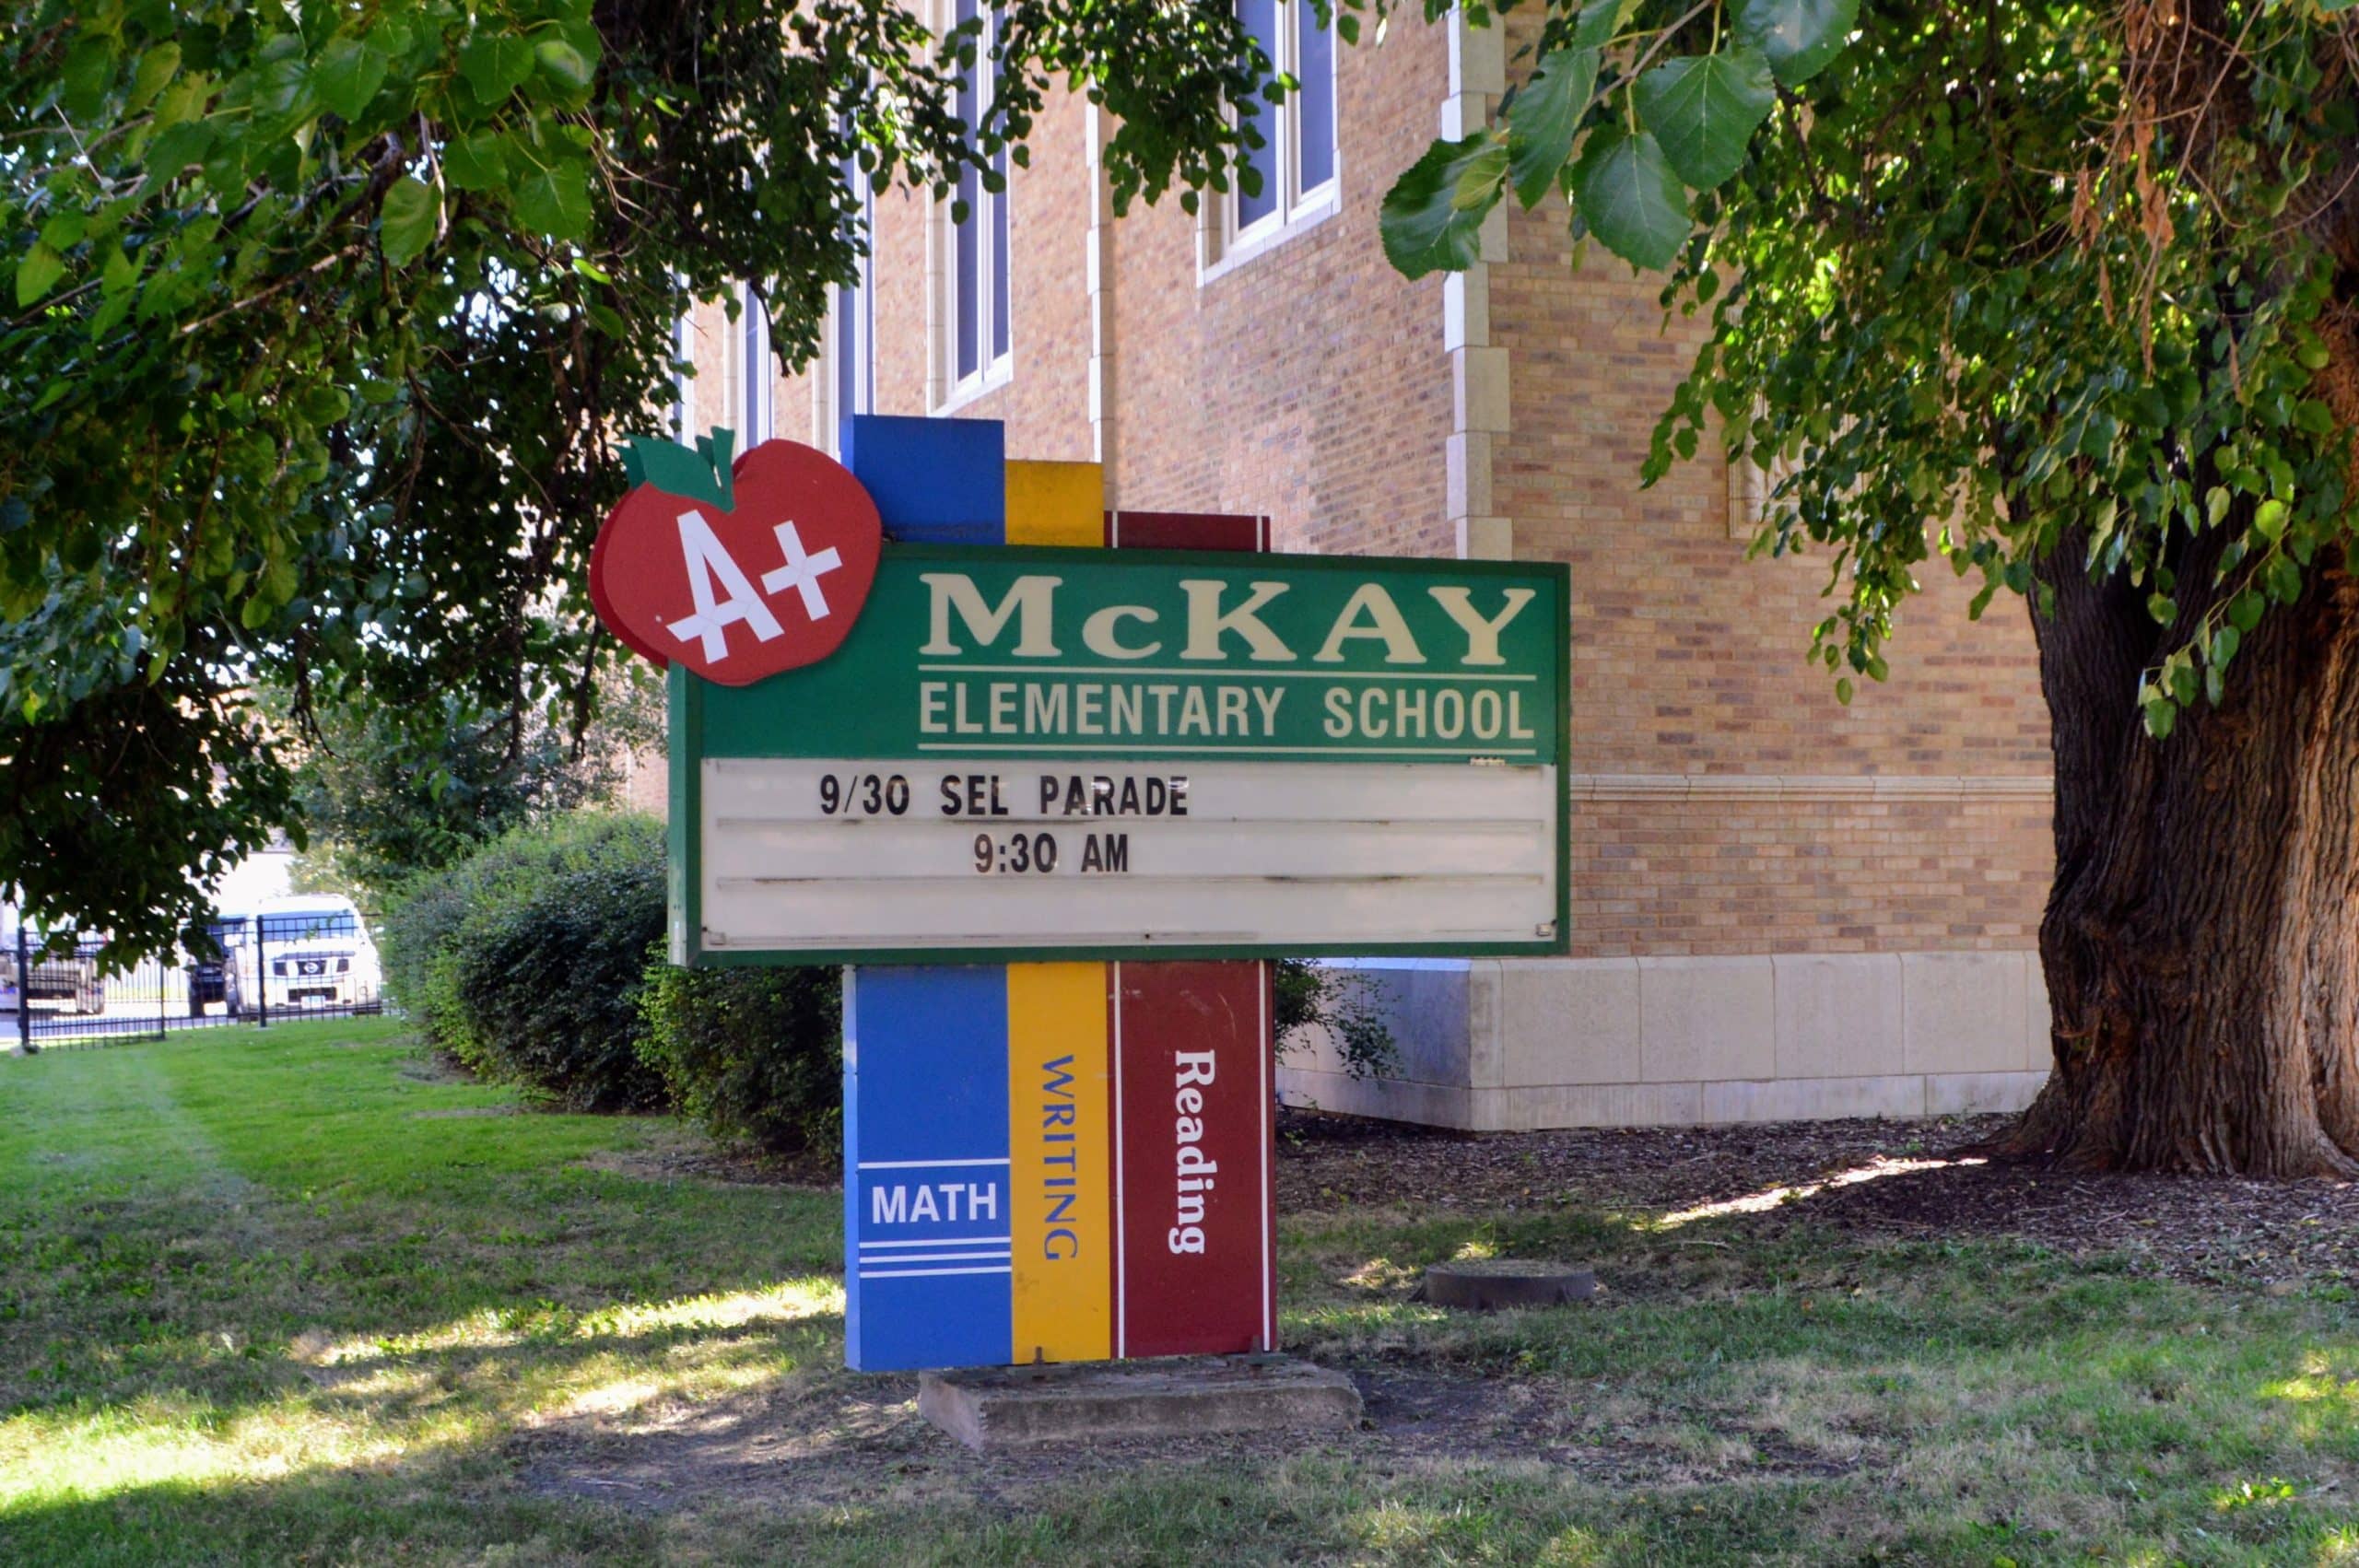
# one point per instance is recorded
(1056, 503)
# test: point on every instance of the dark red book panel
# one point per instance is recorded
(1186, 530)
(1192, 1083)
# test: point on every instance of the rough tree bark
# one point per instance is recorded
(2201, 938)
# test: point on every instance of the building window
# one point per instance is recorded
(977, 280)
(1297, 159)
(847, 385)
(756, 375)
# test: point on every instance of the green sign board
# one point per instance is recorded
(1049, 752)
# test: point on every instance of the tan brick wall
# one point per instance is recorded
(1307, 381)
(1716, 876)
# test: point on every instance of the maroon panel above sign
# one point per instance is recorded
(1187, 531)
(1194, 1269)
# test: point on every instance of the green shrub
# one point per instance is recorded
(549, 984)
(524, 960)
(755, 1055)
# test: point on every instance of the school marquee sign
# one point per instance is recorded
(1053, 753)
(1052, 797)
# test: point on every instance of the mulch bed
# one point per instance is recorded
(1860, 1177)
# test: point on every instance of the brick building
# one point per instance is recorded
(1782, 908)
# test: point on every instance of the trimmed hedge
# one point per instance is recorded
(524, 960)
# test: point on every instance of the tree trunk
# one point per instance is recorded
(2201, 940)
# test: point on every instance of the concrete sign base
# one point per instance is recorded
(1182, 1397)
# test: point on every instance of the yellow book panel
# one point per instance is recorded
(1059, 1167)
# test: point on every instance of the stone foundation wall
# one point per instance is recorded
(1515, 1045)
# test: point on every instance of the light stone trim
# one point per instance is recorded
(1478, 367)
(1099, 268)
(1643, 787)
(1677, 1040)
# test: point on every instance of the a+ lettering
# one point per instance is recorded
(801, 572)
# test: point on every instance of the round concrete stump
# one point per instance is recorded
(1489, 1284)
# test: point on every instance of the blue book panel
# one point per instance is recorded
(934, 480)
(926, 1250)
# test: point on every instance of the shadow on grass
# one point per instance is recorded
(438, 1510)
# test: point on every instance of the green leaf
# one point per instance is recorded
(1629, 196)
(1542, 119)
(2269, 520)
(41, 268)
(1704, 109)
(280, 85)
(1423, 228)
(1843, 690)
(564, 61)
(2285, 579)
(350, 72)
(2225, 643)
(2162, 717)
(326, 405)
(1600, 20)
(84, 549)
(119, 271)
(88, 72)
(2163, 607)
(178, 147)
(476, 161)
(412, 212)
(556, 201)
(1798, 36)
(495, 64)
(64, 230)
(2246, 609)
(156, 68)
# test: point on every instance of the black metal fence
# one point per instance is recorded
(62, 998)
(267, 969)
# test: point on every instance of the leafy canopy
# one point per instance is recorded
(318, 321)
(2037, 288)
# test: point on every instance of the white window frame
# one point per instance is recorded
(994, 367)
(684, 350)
(1229, 242)
(827, 418)
(753, 409)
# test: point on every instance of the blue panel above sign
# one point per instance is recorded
(934, 480)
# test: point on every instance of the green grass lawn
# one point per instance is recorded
(297, 1296)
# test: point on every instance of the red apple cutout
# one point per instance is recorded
(741, 571)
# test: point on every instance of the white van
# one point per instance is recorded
(314, 952)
